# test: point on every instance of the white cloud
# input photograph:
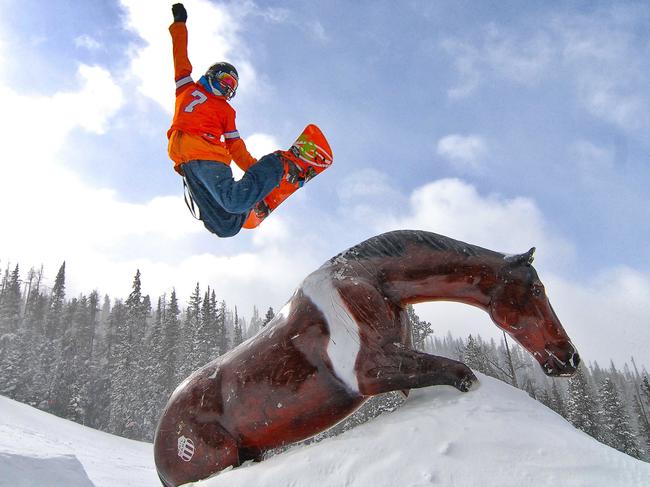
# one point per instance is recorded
(607, 316)
(610, 68)
(42, 123)
(520, 58)
(466, 152)
(598, 54)
(87, 42)
(213, 36)
(3, 49)
(46, 200)
(365, 194)
(594, 163)
(454, 208)
(260, 144)
(364, 183)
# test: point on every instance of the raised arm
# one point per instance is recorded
(178, 30)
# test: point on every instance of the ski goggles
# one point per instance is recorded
(228, 84)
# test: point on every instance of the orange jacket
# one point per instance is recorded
(201, 119)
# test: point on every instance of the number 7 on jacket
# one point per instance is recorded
(198, 99)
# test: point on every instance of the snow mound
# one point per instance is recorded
(26, 471)
(34, 444)
(494, 435)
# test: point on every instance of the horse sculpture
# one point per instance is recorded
(344, 336)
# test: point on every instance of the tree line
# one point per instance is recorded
(108, 364)
(111, 364)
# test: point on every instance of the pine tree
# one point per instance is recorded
(54, 331)
(580, 405)
(72, 381)
(138, 307)
(255, 324)
(138, 311)
(213, 326)
(5, 280)
(119, 370)
(11, 347)
(222, 331)
(556, 400)
(57, 301)
(475, 356)
(270, 314)
(645, 388)
(615, 424)
(420, 329)
(60, 387)
(598, 373)
(11, 304)
(12, 343)
(204, 334)
(30, 385)
(171, 342)
(99, 382)
(238, 336)
(154, 390)
(644, 428)
(510, 363)
(188, 357)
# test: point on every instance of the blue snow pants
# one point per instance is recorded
(224, 203)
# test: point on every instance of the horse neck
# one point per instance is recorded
(434, 275)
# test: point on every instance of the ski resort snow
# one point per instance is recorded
(495, 435)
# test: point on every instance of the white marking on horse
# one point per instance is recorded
(344, 342)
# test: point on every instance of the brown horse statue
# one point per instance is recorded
(344, 336)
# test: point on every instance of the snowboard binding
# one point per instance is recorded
(307, 157)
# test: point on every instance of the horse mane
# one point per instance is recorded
(395, 243)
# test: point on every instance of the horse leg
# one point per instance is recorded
(401, 368)
(250, 453)
(187, 451)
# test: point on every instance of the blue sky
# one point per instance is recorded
(504, 124)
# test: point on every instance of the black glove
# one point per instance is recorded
(180, 14)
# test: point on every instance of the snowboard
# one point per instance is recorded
(312, 154)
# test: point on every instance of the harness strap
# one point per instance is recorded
(189, 201)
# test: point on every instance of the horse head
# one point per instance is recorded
(519, 306)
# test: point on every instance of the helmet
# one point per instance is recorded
(223, 79)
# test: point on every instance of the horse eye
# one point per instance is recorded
(537, 291)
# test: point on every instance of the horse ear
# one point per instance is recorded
(529, 256)
(523, 259)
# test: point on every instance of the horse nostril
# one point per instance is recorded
(575, 360)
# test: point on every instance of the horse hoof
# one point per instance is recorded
(464, 384)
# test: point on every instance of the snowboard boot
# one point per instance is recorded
(296, 171)
(261, 210)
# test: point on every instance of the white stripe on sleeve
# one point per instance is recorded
(184, 81)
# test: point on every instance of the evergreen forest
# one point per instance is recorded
(111, 363)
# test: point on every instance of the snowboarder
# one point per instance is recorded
(203, 140)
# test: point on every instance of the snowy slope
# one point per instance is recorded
(493, 436)
(41, 450)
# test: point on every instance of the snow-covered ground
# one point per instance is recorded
(492, 436)
(41, 450)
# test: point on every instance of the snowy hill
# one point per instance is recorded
(493, 436)
(41, 450)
